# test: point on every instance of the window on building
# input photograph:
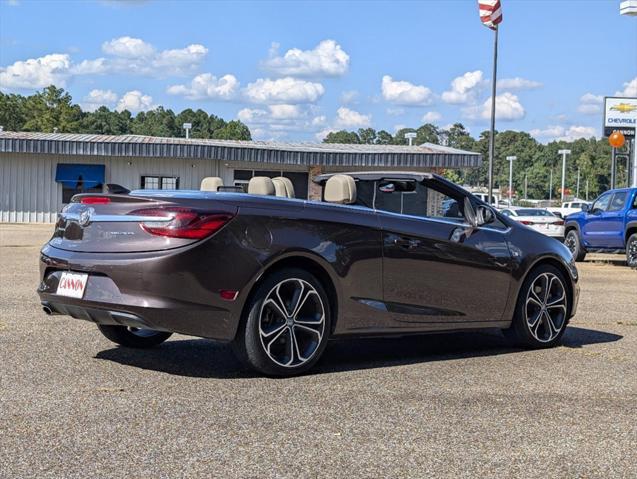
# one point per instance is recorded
(299, 180)
(79, 178)
(160, 182)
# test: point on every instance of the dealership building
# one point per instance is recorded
(40, 172)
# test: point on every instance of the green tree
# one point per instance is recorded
(233, 130)
(342, 136)
(51, 110)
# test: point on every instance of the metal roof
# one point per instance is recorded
(328, 154)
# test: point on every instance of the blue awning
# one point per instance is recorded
(74, 175)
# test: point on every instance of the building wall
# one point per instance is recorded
(29, 193)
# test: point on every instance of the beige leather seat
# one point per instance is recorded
(260, 185)
(340, 189)
(211, 183)
(283, 187)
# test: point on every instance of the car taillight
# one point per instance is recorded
(175, 222)
(524, 222)
(95, 200)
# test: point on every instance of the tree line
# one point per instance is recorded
(536, 162)
(52, 110)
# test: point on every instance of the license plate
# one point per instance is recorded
(72, 285)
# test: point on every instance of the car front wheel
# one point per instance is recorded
(286, 324)
(133, 337)
(573, 243)
(542, 309)
(631, 251)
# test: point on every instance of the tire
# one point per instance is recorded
(286, 324)
(531, 326)
(133, 337)
(631, 251)
(574, 244)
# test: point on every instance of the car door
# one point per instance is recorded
(437, 270)
(593, 229)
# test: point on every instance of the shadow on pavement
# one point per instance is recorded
(207, 359)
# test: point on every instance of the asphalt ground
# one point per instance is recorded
(463, 405)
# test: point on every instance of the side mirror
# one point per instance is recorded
(469, 212)
(485, 215)
(585, 208)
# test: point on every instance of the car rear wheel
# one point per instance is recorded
(133, 337)
(542, 309)
(573, 243)
(631, 251)
(286, 325)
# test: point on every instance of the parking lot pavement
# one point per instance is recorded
(466, 405)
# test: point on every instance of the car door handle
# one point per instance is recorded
(406, 243)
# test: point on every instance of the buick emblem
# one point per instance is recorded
(85, 217)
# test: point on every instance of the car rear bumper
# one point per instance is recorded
(174, 290)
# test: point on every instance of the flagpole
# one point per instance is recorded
(492, 131)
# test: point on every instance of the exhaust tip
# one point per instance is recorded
(47, 310)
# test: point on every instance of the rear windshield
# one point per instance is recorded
(534, 212)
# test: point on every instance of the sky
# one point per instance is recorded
(296, 70)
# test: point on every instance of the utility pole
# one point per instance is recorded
(564, 153)
(511, 159)
(586, 189)
(525, 185)
(551, 186)
(577, 194)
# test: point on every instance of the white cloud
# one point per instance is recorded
(37, 72)
(128, 47)
(349, 97)
(280, 119)
(630, 89)
(518, 83)
(320, 135)
(326, 59)
(126, 55)
(346, 118)
(431, 117)
(283, 90)
(404, 92)
(97, 98)
(507, 108)
(561, 133)
(465, 89)
(135, 101)
(590, 104)
(206, 86)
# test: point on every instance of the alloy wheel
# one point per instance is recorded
(571, 243)
(292, 322)
(631, 254)
(545, 307)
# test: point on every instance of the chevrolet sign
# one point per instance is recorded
(620, 112)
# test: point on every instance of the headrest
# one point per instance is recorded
(211, 183)
(340, 189)
(260, 185)
(283, 187)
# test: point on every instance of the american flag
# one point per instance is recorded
(490, 12)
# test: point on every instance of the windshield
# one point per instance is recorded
(533, 212)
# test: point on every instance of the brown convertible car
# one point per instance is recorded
(384, 253)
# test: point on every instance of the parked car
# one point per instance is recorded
(608, 226)
(568, 208)
(538, 219)
(384, 253)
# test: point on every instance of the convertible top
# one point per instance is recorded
(378, 175)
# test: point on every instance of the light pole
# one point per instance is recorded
(511, 159)
(551, 187)
(564, 153)
(526, 184)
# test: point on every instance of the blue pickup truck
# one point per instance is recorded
(609, 225)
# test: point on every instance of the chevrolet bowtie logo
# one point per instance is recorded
(624, 107)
